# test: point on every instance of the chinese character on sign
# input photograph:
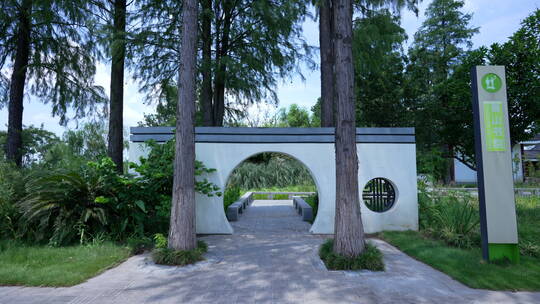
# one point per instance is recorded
(494, 126)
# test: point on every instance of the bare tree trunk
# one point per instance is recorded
(182, 230)
(116, 104)
(206, 89)
(450, 174)
(349, 232)
(18, 80)
(327, 63)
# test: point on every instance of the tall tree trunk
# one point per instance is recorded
(222, 49)
(182, 229)
(206, 90)
(349, 232)
(327, 63)
(116, 104)
(450, 174)
(18, 80)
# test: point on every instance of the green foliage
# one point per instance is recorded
(292, 188)
(378, 64)
(270, 170)
(65, 199)
(436, 53)
(294, 117)
(77, 147)
(160, 241)
(166, 256)
(264, 43)
(67, 205)
(139, 245)
(370, 259)
(313, 201)
(432, 163)
(520, 56)
(61, 59)
(12, 188)
(158, 170)
(438, 81)
(454, 218)
(232, 194)
(528, 215)
(36, 143)
(451, 217)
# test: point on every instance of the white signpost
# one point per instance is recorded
(498, 223)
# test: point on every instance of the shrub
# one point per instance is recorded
(63, 206)
(451, 217)
(160, 241)
(68, 205)
(139, 245)
(11, 190)
(231, 195)
(313, 201)
(158, 170)
(270, 170)
(370, 259)
(167, 256)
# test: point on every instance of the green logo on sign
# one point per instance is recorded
(491, 82)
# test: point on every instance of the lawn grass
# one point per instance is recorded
(467, 266)
(56, 266)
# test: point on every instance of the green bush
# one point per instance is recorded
(432, 163)
(370, 259)
(64, 206)
(260, 196)
(12, 188)
(158, 169)
(167, 256)
(231, 195)
(77, 204)
(160, 241)
(313, 201)
(270, 170)
(139, 245)
(452, 217)
(528, 216)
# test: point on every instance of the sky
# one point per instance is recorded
(497, 20)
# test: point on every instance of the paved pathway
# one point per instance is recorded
(271, 258)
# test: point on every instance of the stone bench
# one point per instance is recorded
(303, 208)
(234, 209)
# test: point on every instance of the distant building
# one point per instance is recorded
(524, 154)
(531, 154)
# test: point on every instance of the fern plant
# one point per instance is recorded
(63, 205)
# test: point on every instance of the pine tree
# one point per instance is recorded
(379, 63)
(46, 45)
(326, 34)
(437, 50)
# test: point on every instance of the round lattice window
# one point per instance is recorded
(379, 195)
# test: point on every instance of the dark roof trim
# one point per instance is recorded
(274, 135)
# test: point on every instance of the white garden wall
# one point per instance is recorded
(393, 161)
